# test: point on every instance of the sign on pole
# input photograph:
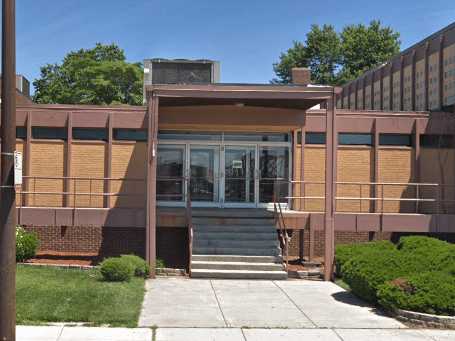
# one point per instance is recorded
(17, 168)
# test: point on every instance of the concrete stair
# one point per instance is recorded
(236, 244)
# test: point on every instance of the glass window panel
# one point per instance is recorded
(170, 171)
(49, 133)
(90, 134)
(130, 134)
(204, 166)
(355, 139)
(239, 166)
(21, 132)
(274, 173)
(395, 140)
(315, 138)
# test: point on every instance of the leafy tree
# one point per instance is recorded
(365, 47)
(100, 75)
(324, 53)
(296, 56)
(336, 58)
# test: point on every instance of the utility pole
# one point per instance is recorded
(7, 190)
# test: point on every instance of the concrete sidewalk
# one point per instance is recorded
(40, 333)
(181, 303)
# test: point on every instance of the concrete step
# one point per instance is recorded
(236, 266)
(237, 258)
(234, 228)
(231, 220)
(210, 250)
(215, 235)
(230, 243)
(239, 274)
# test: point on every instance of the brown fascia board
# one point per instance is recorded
(82, 107)
(241, 91)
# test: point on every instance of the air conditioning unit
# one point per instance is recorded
(181, 71)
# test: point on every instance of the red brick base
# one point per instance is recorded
(172, 243)
(104, 242)
(349, 238)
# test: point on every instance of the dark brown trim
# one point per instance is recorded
(108, 160)
(427, 76)
(27, 157)
(441, 71)
(330, 189)
(413, 81)
(68, 158)
(401, 83)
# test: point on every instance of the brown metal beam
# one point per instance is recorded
(7, 190)
(151, 181)
(330, 189)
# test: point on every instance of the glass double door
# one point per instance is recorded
(222, 175)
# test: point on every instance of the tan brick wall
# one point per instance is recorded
(47, 159)
(128, 161)
(354, 165)
(314, 171)
(88, 160)
(396, 166)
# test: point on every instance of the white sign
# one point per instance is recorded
(237, 164)
(17, 168)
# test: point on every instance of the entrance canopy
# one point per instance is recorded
(236, 107)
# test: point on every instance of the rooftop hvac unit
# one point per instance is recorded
(181, 71)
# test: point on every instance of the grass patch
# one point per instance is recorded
(342, 284)
(46, 294)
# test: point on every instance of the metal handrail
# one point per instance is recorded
(279, 217)
(189, 221)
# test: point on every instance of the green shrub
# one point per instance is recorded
(346, 252)
(26, 244)
(365, 273)
(116, 269)
(160, 263)
(421, 244)
(428, 292)
(140, 266)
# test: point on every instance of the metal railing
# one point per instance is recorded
(189, 221)
(281, 222)
(93, 188)
(378, 195)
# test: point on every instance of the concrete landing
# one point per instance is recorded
(179, 302)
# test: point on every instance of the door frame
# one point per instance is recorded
(221, 144)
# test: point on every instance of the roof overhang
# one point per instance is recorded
(278, 96)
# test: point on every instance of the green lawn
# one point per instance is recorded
(46, 294)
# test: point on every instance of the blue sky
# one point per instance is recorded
(245, 36)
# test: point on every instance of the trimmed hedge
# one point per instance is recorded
(26, 244)
(407, 276)
(140, 266)
(116, 269)
(345, 252)
(428, 292)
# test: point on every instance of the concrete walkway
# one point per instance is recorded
(227, 310)
(40, 333)
(180, 303)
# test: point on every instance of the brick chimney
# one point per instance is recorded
(301, 75)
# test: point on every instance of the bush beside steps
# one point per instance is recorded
(119, 269)
(417, 274)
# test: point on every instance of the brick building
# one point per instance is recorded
(208, 169)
